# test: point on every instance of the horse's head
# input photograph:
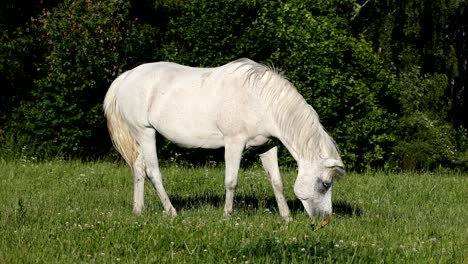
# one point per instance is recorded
(314, 185)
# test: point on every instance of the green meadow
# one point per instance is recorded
(81, 212)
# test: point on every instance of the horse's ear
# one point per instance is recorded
(336, 165)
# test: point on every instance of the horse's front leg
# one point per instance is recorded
(232, 156)
(270, 164)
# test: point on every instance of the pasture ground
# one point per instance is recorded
(72, 212)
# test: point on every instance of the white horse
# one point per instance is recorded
(236, 106)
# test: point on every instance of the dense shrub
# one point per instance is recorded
(86, 44)
(58, 65)
(18, 54)
(425, 139)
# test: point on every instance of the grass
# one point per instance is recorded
(70, 211)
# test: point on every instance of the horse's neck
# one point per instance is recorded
(296, 123)
(301, 151)
(300, 131)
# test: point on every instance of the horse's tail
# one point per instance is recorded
(119, 130)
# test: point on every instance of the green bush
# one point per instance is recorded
(86, 44)
(424, 143)
(18, 53)
(58, 67)
(425, 139)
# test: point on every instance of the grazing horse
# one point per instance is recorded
(238, 105)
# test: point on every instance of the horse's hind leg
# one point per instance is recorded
(138, 184)
(147, 142)
(270, 164)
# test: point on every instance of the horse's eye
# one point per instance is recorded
(326, 184)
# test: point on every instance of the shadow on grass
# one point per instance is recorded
(343, 208)
(267, 248)
(249, 202)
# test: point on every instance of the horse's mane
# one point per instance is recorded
(297, 119)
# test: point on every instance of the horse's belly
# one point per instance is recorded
(191, 129)
(190, 137)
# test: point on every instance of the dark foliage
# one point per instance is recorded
(387, 78)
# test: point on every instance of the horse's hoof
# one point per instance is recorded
(172, 212)
(227, 215)
(137, 212)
